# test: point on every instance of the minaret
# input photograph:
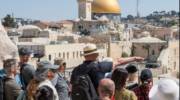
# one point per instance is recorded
(137, 5)
(85, 9)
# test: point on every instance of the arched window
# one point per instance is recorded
(153, 52)
(49, 57)
(67, 55)
(73, 54)
(64, 55)
(77, 54)
(59, 54)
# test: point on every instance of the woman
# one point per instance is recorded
(119, 77)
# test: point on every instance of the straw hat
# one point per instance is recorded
(90, 49)
(166, 89)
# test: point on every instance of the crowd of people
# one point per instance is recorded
(106, 79)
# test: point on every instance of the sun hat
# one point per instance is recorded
(90, 49)
(42, 70)
(165, 89)
(59, 61)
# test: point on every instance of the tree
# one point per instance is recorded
(172, 23)
(8, 21)
(155, 13)
(124, 54)
(130, 17)
(163, 12)
(173, 13)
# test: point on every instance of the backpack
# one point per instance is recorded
(2, 82)
(82, 86)
(83, 89)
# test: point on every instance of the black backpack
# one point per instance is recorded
(82, 87)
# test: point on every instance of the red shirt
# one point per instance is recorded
(142, 91)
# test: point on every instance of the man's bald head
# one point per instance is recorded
(106, 88)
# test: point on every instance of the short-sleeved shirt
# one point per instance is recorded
(94, 69)
(125, 94)
(142, 91)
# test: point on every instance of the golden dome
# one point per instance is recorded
(106, 6)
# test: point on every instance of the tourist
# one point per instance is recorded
(106, 89)
(11, 88)
(142, 90)
(91, 71)
(60, 82)
(91, 66)
(165, 89)
(41, 88)
(132, 76)
(120, 77)
(26, 70)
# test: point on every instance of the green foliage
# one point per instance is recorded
(124, 54)
(172, 23)
(130, 17)
(8, 21)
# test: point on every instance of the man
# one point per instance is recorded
(106, 89)
(132, 81)
(26, 70)
(92, 73)
(60, 83)
(90, 66)
(41, 88)
(142, 90)
(11, 88)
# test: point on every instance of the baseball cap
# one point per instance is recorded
(42, 70)
(24, 51)
(146, 74)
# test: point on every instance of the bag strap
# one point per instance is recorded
(21, 77)
(4, 83)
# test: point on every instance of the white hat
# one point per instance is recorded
(90, 49)
(166, 89)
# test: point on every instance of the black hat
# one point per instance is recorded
(146, 74)
(131, 69)
(24, 51)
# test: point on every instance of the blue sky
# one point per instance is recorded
(67, 9)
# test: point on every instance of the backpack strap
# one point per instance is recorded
(21, 77)
(4, 83)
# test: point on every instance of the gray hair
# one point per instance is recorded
(8, 64)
